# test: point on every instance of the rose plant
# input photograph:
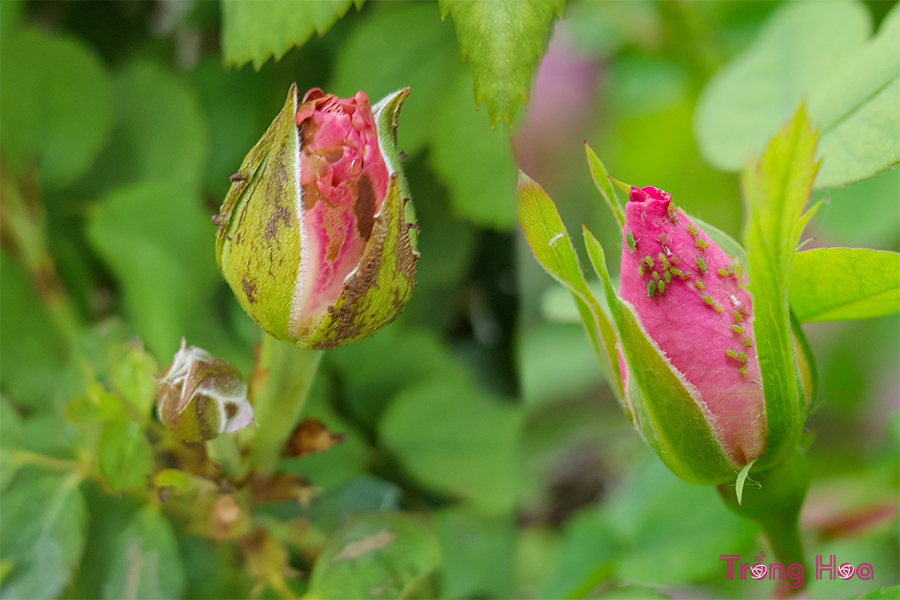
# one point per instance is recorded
(699, 344)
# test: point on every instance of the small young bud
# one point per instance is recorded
(199, 396)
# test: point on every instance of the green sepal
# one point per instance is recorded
(387, 119)
(666, 409)
(601, 180)
(776, 189)
(552, 247)
(380, 287)
(258, 220)
(806, 363)
(741, 480)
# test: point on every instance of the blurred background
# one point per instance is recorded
(482, 408)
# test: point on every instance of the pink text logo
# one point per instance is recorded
(794, 571)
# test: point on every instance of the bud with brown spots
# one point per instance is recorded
(317, 236)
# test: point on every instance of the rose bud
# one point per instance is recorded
(199, 396)
(688, 358)
(316, 236)
(692, 301)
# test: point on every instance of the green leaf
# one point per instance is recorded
(160, 134)
(456, 439)
(57, 104)
(474, 163)
(776, 190)
(414, 49)
(124, 456)
(552, 247)
(147, 563)
(132, 371)
(864, 214)
(503, 40)
(478, 553)
(376, 556)
(255, 31)
(665, 410)
(43, 522)
(157, 240)
(587, 557)
(843, 284)
(819, 52)
(858, 108)
(374, 372)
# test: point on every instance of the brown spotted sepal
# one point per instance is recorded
(199, 396)
(317, 234)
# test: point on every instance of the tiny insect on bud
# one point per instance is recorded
(630, 242)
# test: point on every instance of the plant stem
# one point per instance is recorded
(290, 373)
(24, 457)
(775, 506)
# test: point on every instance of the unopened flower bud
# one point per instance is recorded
(692, 301)
(199, 396)
(316, 236)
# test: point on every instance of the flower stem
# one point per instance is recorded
(775, 505)
(290, 373)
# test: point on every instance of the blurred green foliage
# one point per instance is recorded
(486, 456)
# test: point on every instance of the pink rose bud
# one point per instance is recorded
(199, 396)
(317, 235)
(692, 301)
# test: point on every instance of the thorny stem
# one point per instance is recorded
(290, 371)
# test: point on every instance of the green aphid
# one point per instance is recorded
(701, 264)
(709, 301)
(737, 316)
(651, 289)
(648, 260)
(630, 241)
(738, 329)
(742, 370)
(662, 239)
(661, 286)
(668, 276)
(641, 270)
(723, 273)
(747, 342)
(742, 357)
(692, 231)
(664, 261)
(738, 269)
(699, 284)
(731, 354)
(674, 260)
(673, 215)
(718, 308)
(702, 244)
(655, 276)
